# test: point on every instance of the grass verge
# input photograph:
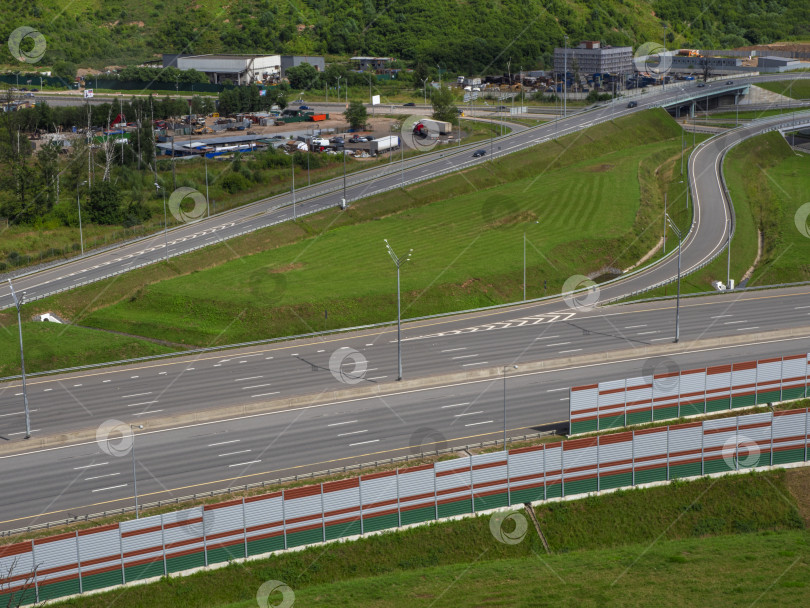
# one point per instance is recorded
(708, 531)
(797, 89)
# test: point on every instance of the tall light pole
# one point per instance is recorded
(524, 263)
(165, 222)
(398, 262)
(134, 475)
(565, 78)
(338, 91)
(677, 232)
(344, 177)
(18, 304)
(728, 263)
(79, 205)
(292, 165)
(505, 367)
(424, 88)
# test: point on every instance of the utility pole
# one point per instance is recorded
(134, 474)
(505, 367)
(565, 79)
(207, 200)
(665, 223)
(677, 232)
(398, 262)
(165, 222)
(18, 304)
(292, 165)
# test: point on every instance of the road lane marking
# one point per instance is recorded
(135, 395)
(734, 322)
(234, 453)
(264, 394)
(123, 485)
(75, 385)
(101, 476)
(452, 350)
(242, 464)
(477, 423)
(746, 328)
(341, 423)
(142, 403)
(249, 378)
(89, 466)
(462, 357)
(573, 350)
(353, 433)
(244, 388)
(721, 316)
(660, 339)
(23, 432)
(377, 378)
(800, 307)
(477, 363)
(558, 344)
(211, 445)
(46, 390)
(634, 326)
(454, 405)
(351, 445)
(105, 381)
(554, 390)
(149, 412)
(467, 414)
(646, 333)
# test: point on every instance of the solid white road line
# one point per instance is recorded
(211, 445)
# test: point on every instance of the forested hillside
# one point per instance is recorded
(459, 35)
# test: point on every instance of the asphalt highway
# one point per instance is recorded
(93, 477)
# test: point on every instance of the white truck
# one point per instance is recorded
(384, 144)
(425, 125)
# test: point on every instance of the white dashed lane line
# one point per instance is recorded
(145, 413)
(558, 344)
(101, 476)
(467, 414)
(123, 485)
(244, 388)
(476, 363)
(90, 466)
(351, 445)
(242, 464)
(211, 445)
(264, 394)
(477, 423)
(573, 350)
(452, 350)
(463, 357)
(135, 395)
(353, 433)
(341, 423)
(142, 403)
(234, 453)
(250, 378)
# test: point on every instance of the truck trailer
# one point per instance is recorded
(425, 125)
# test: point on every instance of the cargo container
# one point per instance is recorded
(436, 126)
(384, 144)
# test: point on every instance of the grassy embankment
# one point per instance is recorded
(580, 200)
(797, 89)
(733, 538)
(768, 183)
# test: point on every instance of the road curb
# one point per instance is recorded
(380, 390)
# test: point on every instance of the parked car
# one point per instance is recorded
(479, 153)
(369, 137)
(357, 140)
(410, 104)
(278, 137)
(35, 90)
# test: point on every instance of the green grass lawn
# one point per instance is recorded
(723, 539)
(750, 114)
(53, 346)
(467, 251)
(797, 89)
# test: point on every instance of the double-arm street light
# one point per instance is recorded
(165, 222)
(398, 262)
(18, 304)
(677, 232)
(132, 428)
(79, 205)
(505, 367)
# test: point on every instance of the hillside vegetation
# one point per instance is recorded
(471, 36)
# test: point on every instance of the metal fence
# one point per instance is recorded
(106, 556)
(629, 401)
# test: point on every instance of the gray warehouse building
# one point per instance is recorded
(241, 69)
(590, 57)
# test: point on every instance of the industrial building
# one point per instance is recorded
(373, 63)
(241, 69)
(779, 64)
(590, 57)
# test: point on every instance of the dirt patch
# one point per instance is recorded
(798, 482)
(286, 268)
(598, 168)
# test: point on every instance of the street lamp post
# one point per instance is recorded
(565, 78)
(398, 262)
(677, 232)
(79, 205)
(207, 200)
(728, 263)
(18, 304)
(165, 222)
(134, 475)
(424, 88)
(292, 165)
(505, 367)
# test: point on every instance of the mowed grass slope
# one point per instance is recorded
(797, 89)
(658, 537)
(467, 250)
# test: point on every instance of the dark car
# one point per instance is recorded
(501, 109)
(701, 84)
(369, 137)
(303, 107)
(278, 137)
(479, 153)
(632, 104)
(730, 82)
(410, 104)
